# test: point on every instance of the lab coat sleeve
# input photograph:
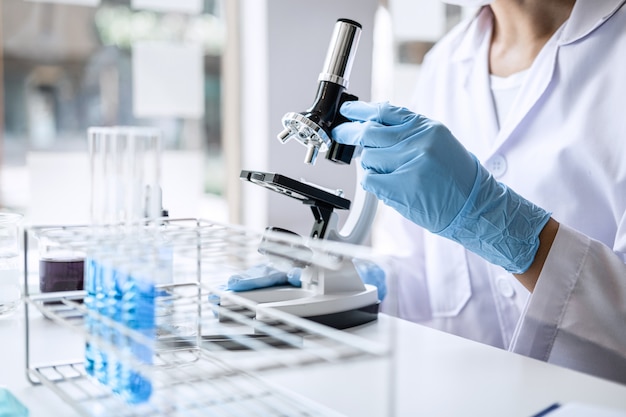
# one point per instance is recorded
(576, 316)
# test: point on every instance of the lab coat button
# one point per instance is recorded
(505, 287)
(497, 165)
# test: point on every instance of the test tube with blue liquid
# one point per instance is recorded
(137, 311)
(120, 273)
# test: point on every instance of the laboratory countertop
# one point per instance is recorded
(432, 374)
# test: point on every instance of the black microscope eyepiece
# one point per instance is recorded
(313, 127)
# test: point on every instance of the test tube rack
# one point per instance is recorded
(207, 359)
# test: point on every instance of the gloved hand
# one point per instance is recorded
(372, 274)
(255, 277)
(264, 276)
(416, 166)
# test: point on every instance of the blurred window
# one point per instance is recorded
(67, 67)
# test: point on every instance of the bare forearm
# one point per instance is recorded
(546, 237)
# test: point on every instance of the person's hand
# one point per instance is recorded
(372, 274)
(416, 166)
(265, 276)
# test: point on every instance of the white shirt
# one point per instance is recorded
(563, 147)
(504, 91)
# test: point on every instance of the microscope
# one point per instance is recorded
(333, 296)
(313, 127)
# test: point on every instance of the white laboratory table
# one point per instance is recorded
(432, 374)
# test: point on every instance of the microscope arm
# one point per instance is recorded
(360, 219)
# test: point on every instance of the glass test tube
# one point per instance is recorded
(125, 175)
(120, 279)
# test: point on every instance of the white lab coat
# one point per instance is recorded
(563, 147)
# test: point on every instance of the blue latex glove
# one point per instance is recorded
(264, 276)
(372, 274)
(416, 166)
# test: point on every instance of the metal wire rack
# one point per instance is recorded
(209, 351)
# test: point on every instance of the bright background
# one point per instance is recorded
(214, 76)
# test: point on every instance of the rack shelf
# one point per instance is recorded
(210, 354)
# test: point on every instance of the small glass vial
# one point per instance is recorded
(61, 265)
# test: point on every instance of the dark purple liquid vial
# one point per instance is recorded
(61, 274)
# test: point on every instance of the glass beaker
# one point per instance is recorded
(10, 271)
(61, 265)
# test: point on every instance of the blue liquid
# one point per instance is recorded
(101, 363)
(96, 361)
(137, 313)
(90, 322)
(130, 301)
(117, 337)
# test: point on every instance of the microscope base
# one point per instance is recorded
(339, 310)
(348, 319)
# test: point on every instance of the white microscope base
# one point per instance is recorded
(308, 304)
